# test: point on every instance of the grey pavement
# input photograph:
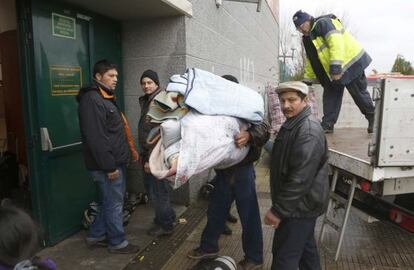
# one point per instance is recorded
(367, 246)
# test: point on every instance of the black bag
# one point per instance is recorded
(9, 174)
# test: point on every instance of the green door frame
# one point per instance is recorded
(29, 106)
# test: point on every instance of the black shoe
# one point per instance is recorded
(327, 128)
(370, 128)
(199, 254)
(231, 218)
(157, 230)
(129, 249)
(227, 230)
(143, 198)
(102, 243)
(248, 265)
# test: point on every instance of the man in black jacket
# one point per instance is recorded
(237, 183)
(158, 189)
(106, 150)
(298, 182)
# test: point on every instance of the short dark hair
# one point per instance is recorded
(301, 95)
(102, 66)
(19, 236)
(230, 78)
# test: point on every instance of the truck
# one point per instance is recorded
(373, 174)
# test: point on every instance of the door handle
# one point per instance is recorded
(47, 142)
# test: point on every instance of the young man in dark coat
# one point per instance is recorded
(298, 182)
(158, 189)
(107, 148)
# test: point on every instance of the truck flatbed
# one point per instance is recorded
(348, 151)
(353, 141)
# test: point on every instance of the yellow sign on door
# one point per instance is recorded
(65, 80)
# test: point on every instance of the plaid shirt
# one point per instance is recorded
(275, 114)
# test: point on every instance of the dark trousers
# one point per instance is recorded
(294, 245)
(332, 100)
(236, 184)
(160, 198)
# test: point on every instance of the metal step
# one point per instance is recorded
(333, 225)
(342, 201)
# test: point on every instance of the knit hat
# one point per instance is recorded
(293, 85)
(300, 17)
(152, 75)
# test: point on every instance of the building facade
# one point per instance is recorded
(55, 46)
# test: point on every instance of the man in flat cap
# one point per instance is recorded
(337, 60)
(298, 182)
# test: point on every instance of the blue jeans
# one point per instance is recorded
(294, 245)
(159, 190)
(109, 222)
(235, 184)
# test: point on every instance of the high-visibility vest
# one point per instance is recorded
(336, 47)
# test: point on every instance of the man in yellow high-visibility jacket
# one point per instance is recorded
(336, 60)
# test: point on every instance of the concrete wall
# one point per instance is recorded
(274, 7)
(151, 44)
(232, 39)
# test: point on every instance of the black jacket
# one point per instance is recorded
(299, 169)
(105, 145)
(144, 126)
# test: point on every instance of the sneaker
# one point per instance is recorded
(231, 218)
(227, 230)
(157, 230)
(129, 249)
(102, 243)
(198, 254)
(248, 265)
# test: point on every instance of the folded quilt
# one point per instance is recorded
(167, 105)
(210, 94)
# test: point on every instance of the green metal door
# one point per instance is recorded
(61, 53)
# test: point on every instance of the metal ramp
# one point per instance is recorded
(335, 202)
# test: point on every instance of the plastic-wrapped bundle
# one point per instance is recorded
(207, 142)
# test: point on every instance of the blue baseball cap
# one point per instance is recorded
(300, 17)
